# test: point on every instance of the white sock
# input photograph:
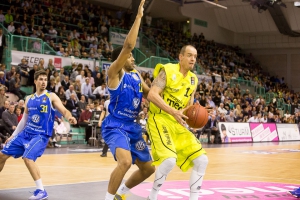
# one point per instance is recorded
(109, 196)
(39, 184)
(123, 189)
(200, 164)
(160, 176)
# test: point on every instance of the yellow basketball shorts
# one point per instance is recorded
(169, 139)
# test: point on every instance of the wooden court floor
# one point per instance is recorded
(264, 162)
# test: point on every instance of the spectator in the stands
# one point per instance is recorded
(61, 52)
(62, 95)
(41, 64)
(11, 28)
(4, 107)
(66, 82)
(86, 90)
(51, 85)
(23, 68)
(84, 121)
(2, 80)
(15, 85)
(10, 119)
(2, 17)
(72, 105)
(3, 97)
(101, 91)
(19, 114)
(70, 91)
(8, 18)
(51, 66)
(61, 74)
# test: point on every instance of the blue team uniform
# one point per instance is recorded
(32, 141)
(119, 129)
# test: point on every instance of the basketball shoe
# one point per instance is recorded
(295, 192)
(39, 195)
(120, 197)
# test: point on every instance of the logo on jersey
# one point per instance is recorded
(136, 102)
(140, 145)
(192, 80)
(135, 77)
(44, 100)
(174, 77)
(35, 118)
(26, 146)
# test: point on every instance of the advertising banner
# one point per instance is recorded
(288, 132)
(34, 58)
(235, 132)
(119, 38)
(264, 132)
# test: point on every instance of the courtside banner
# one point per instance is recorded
(34, 58)
(119, 39)
(235, 132)
(288, 132)
(264, 132)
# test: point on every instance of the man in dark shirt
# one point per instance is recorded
(84, 121)
(10, 119)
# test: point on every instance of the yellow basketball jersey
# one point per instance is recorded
(178, 90)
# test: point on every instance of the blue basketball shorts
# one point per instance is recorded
(26, 145)
(125, 135)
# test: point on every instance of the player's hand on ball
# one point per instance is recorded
(72, 120)
(179, 116)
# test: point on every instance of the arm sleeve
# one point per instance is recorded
(21, 125)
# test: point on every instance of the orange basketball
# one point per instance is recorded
(197, 116)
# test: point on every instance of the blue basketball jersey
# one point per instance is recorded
(126, 99)
(41, 115)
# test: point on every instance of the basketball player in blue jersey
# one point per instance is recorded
(32, 134)
(119, 131)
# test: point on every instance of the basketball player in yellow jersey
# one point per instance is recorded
(172, 143)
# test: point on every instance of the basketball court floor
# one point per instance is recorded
(235, 171)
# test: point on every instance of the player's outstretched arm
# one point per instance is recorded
(115, 70)
(156, 89)
(56, 102)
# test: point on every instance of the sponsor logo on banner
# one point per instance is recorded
(105, 65)
(235, 132)
(288, 132)
(263, 132)
(219, 190)
(34, 58)
(119, 38)
(57, 63)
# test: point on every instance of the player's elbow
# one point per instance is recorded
(129, 45)
(151, 95)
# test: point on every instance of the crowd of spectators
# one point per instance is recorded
(72, 29)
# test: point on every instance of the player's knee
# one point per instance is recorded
(167, 165)
(27, 160)
(124, 164)
(200, 163)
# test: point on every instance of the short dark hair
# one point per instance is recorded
(116, 52)
(39, 73)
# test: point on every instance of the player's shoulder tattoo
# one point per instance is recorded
(161, 80)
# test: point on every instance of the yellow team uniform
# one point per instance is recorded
(168, 137)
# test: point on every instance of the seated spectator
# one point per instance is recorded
(2, 80)
(66, 83)
(61, 94)
(51, 85)
(11, 28)
(77, 88)
(71, 91)
(23, 68)
(213, 135)
(84, 121)
(10, 119)
(81, 77)
(2, 17)
(20, 105)
(61, 52)
(230, 117)
(101, 92)
(72, 105)
(51, 66)
(19, 114)
(3, 97)
(14, 86)
(86, 90)
(255, 118)
(8, 18)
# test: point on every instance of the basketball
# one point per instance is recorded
(197, 116)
